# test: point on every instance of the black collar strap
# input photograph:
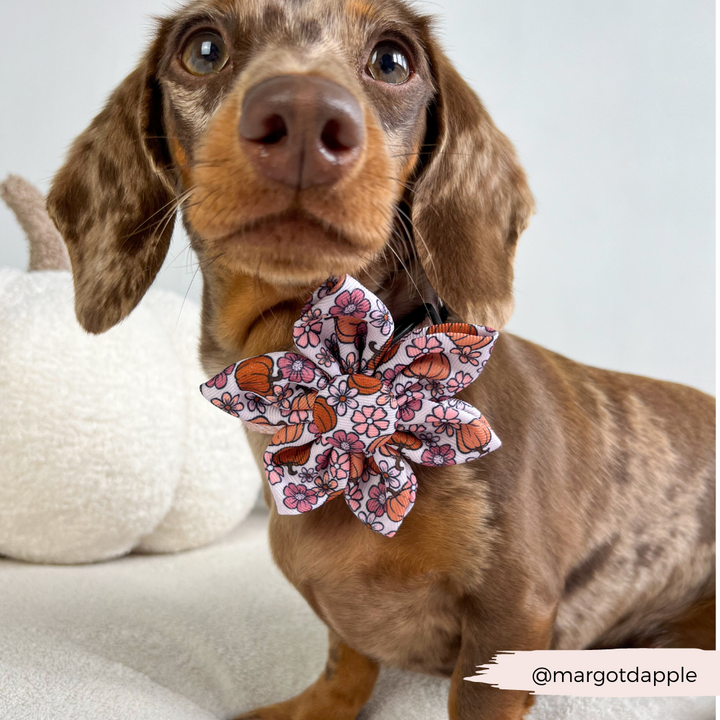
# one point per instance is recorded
(427, 310)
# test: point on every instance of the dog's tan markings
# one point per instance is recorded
(361, 9)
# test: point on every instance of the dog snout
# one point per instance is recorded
(302, 131)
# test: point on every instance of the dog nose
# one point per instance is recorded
(302, 131)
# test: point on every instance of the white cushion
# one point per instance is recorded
(203, 634)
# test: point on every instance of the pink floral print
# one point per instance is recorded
(296, 368)
(299, 497)
(220, 380)
(349, 411)
(351, 303)
(229, 403)
(439, 455)
(370, 422)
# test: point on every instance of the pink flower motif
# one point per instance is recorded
(430, 439)
(445, 420)
(391, 373)
(391, 475)
(220, 380)
(323, 460)
(299, 497)
(370, 421)
(439, 455)
(325, 485)
(296, 368)
(436, 389)
(338, 465)
(349, 442)
(459, 382)
(467, 354)
(324, 357)
(229, 403)
(352, 304)
(328, 286)
(342, 397)
(353, 497)
(370, 520)
(282, 398)
(307, 334)
(255, 404)
(274, 475)
(424, 345)
(349, 363)
(382, 319)
(378, 499)
(409, 399)
(307, 475)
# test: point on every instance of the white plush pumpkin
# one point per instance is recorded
(106, 444)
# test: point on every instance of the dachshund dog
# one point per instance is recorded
(312, 138)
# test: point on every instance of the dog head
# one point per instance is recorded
(299, 140)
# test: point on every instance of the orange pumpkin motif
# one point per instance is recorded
(433, 366)
(396, 507)
(380, 443)
(379, 353)
(474, 435)
(324, 416)
(459, 328)
(255, 375)
(288, 434)
(304, 402)
(357, 466)
(406, 441)
(347, 328)
(389, 352)
(292, 456)
(472, 342)
(365, 384)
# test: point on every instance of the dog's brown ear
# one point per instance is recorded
(471, 202)
(113, 203)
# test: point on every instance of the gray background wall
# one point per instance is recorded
(610, 104)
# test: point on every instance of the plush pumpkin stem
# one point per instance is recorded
(47, 249)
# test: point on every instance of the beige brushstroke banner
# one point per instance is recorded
(605, 673)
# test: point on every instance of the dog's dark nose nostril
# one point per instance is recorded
(302, 131)
(275, 131)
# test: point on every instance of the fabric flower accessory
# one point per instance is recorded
(352, 405)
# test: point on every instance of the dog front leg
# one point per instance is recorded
(344, 686)
(477, 701)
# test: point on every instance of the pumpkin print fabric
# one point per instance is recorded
(349, 407)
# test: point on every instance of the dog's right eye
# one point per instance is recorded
(204, 53)
(389, 63)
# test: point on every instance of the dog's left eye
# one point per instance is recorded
(204, 53)
(389, 64)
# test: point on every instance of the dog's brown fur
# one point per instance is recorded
(593, 526)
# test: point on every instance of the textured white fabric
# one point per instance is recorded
(198, 635)
(105, 443)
